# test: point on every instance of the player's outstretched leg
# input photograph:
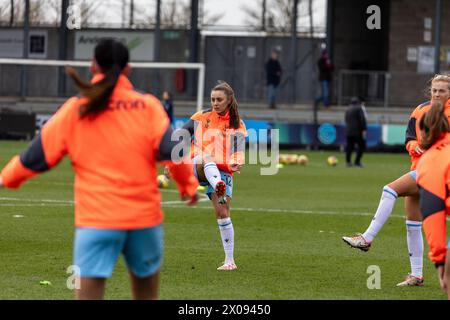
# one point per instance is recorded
(384, 210)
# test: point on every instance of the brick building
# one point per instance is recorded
(398, 57)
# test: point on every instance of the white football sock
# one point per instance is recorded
(385, 207)
(227, 235)
(415, 246)
(212, 174)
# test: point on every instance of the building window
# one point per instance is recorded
(37, 45)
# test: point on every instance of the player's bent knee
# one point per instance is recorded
(387, 189)
(223, 213)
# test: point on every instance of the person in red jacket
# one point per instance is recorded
(218, 152)
(406, 186)
(114, 137)
(433, 178)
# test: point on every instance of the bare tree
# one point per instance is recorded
(270, 21)
(89, 12)
(310, 14)
(278, 14)
(11, 18)
(8, 13)
(101, 13)
(48, 12)
(254, 17)
(174, 14)
(43, 12)
(206, 18)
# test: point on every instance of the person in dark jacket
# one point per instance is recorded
(325, 75)
(356, 128)
(273, 73)
(168, 105)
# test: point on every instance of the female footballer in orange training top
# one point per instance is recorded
(433, 178)
(114, 137)
(406, 186)
(218, 152)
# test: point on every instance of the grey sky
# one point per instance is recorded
(235, 16)
(231, 10)
(116, 12)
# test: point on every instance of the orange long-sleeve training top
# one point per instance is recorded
(114, 156)
(412, 138)
(213, 136)
(433, 178)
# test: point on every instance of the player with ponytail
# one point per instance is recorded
(218, 152)
(114, 136)
(433, 178)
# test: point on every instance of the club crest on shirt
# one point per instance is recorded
(224, 130)
(207, 123)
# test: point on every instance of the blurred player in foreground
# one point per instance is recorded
(406, 186)
(218, 152)
(433, 178)
(114, 137)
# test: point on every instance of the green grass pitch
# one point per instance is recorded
(288, 230)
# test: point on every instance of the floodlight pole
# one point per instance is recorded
(294, 50)
(264, 8)
(11, 17)
(131, 13)
(329, 28)
(156, 83)
(437, 37)
(193, 43)
(123, 14)
(193, 36)
(26, 32)
(62, 46)
(157, 31)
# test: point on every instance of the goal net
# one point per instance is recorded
(46, 80)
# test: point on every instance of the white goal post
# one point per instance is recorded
(150, 65)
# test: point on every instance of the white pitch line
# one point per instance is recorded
(36, 205)
(168, 204)
(68, 203)
(51, 182)
(37, 200)
(175, 204)
(294, 211)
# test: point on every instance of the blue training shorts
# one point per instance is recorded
(96, 251)
(225, 176)
(413, 174)
(228, 179)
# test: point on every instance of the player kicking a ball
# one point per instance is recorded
(218, 152)
(406, 186)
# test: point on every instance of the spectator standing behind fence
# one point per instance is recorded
(325, 75)
(168, 105)
(356, 128)
(273, 73)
